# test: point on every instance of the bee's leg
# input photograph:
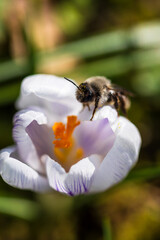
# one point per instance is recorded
(122, 104)
(95, 107)
(88, 107)
(110, 99)
(113, 98)
(85, 105)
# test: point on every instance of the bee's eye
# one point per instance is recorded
(83, 87)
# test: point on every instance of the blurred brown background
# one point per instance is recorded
(78, 39)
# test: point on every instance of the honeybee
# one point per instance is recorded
(100, 91)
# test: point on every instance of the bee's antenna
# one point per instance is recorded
(69, 80)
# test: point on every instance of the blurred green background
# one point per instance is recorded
(79, 39)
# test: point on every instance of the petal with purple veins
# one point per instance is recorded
(18, 174)
(25, 147)
(77, 181)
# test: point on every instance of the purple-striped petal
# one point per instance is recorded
(77, 181)
(95, 137)
(18, 174)
(120, 159)
(26, 149)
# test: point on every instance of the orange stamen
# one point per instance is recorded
(63, 135)
(66, 150)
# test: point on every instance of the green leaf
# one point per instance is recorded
(144, 174)
(91, 47)
(21, 208)
(13, 69)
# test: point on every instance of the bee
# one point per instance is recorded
(100, 91)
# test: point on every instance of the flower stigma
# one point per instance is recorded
(65, 147)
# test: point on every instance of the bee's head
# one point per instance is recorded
(84, 93)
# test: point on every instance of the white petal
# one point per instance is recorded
(107, 112)
(120, 158)
(18, 174)
(49, 92)
(77, 181)
(26, 149)
(104, 112)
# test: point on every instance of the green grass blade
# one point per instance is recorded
(107, 231)
(144, 174)
(20, 208)
(13, 69)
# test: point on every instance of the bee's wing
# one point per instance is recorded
(121, 90)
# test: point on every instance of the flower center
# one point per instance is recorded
(65, 147)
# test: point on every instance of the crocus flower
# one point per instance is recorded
(57, 147)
